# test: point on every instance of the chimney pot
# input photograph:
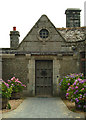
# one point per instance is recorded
(14, 28)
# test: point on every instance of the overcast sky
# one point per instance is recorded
(25, 13)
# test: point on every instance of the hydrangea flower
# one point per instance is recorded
(73, 88)
(82, 89)
(79, 106)
(7, 85)
(70, 79)
(80, 95)
(8, 80)
(68, 83)
(76, 87)
(77, 100)
(77, 91)
(74, 83)
(84, 106)
(16, 84)
(82, 81)
(67, 94)
(6, 90)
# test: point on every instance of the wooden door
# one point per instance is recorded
(44, 74)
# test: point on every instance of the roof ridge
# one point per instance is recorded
(71, 28)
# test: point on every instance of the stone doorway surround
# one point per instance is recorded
(31, 73)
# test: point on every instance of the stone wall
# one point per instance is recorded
(23, 67)
(69, 64)
(15, 66)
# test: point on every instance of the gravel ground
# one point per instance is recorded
(14, 104)
(71, 106)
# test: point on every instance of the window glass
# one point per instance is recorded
(44, 33)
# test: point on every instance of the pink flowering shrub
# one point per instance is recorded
(77, 92)
(17, 86)
(69, 80)
(6, 89)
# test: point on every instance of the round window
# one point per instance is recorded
(44, 33)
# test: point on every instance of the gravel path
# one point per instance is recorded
(33, 107)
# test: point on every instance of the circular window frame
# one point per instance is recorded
(43, 39)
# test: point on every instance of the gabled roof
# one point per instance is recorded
(73, 34)
(41, 23)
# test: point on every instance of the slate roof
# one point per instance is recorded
(73, 34)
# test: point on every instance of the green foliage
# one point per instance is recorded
(73, 110)
(74, 86)
(6, 90)
(13, 85)
(77, 91)
(8, 106)
(69, 80)
(17, 86)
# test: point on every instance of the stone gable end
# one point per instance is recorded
(33, 43)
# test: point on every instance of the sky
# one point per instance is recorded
(25, 13)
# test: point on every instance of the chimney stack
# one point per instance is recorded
(72, 17)
(14, 38)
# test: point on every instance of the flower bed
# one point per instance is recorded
(7, 89)
(17, 87)
(69, 80)
(74, 86)
(77, 93)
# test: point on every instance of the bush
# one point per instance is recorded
(6, 90)
(69, 80)
(17, 86)
(8, 106)
(77, 92)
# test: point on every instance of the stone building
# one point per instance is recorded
(46, 54)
